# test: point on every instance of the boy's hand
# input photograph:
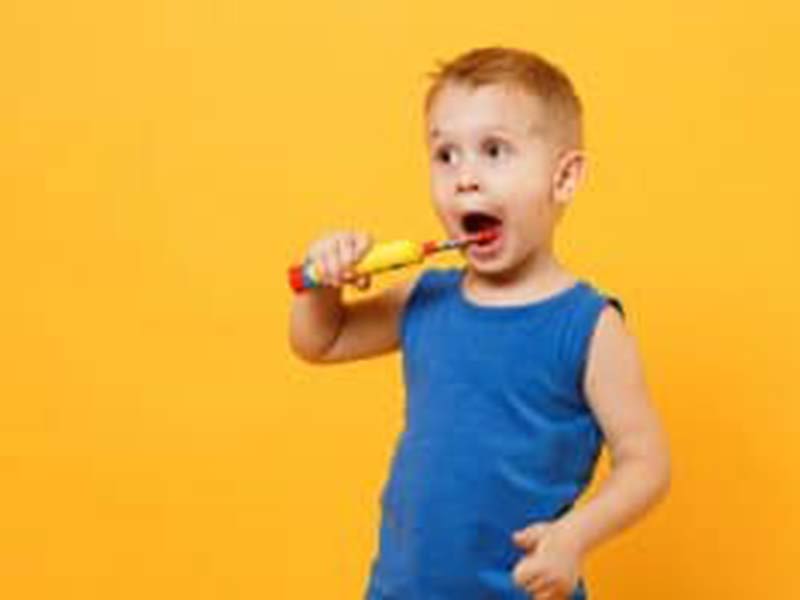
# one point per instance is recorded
(551, 566)
(337, 254)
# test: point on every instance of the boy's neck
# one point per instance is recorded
(538, 277)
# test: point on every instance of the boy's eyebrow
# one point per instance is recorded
(434, 132)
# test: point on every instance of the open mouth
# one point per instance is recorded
(480, 222)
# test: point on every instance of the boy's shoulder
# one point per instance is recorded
(605, 298)
(435, 278)
(585, 297)
(598, 300)
(441, 273)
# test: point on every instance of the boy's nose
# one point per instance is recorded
(467, 182)
(470, 186)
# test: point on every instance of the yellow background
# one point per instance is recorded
(162, 162)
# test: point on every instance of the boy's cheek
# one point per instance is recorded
(439, 191)
(445, 211)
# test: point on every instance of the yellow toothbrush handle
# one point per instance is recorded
(390, 255)
(381, 257)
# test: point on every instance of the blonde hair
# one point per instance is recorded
(521, 69)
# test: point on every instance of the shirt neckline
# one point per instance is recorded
(512, 310)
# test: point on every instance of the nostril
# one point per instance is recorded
(470, 186)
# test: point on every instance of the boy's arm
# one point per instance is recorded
(640, 473)
(324, 329)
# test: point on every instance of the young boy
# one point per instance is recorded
(516, 371)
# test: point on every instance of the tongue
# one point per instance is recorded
(486, 236)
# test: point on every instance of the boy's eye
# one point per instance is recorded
(495, 148)
(444, 155)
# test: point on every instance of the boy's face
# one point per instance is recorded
(495, 163)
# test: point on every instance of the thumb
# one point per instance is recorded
(529, 536)
(359, 280)
(363, 281)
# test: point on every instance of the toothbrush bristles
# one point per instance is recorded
(482, 237)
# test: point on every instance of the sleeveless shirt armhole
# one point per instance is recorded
(586, 346)
(616, 303)
(410, 300)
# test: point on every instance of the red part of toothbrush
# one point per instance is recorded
(485, 236)
(430, 247)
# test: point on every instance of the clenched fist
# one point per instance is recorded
(551, 566)
(337, 253)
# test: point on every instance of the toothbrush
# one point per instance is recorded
(385, 256)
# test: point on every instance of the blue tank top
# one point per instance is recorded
(497, 435)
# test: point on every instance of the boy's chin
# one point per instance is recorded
(496, 267)
(504, 266)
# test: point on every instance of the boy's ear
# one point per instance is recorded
(569, 173)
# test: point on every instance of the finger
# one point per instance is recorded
(550, 589)
(348, 250)
(315, 250)
(363, 242)
(326, 264)
(363, 281)
(537, 585)
(551, 594)
(354, 278)
(543, 589)
(337, 260)
(531, 532)
(529, 536)
(349, 259)
(333, 257)
(527, 574)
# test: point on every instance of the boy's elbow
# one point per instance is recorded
(660, 489)
(653, 473)
(307, 357)
(306, 352)
(662, 479)
(667, 479)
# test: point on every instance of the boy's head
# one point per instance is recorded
(504, 132)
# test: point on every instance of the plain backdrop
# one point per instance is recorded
(162, 162)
